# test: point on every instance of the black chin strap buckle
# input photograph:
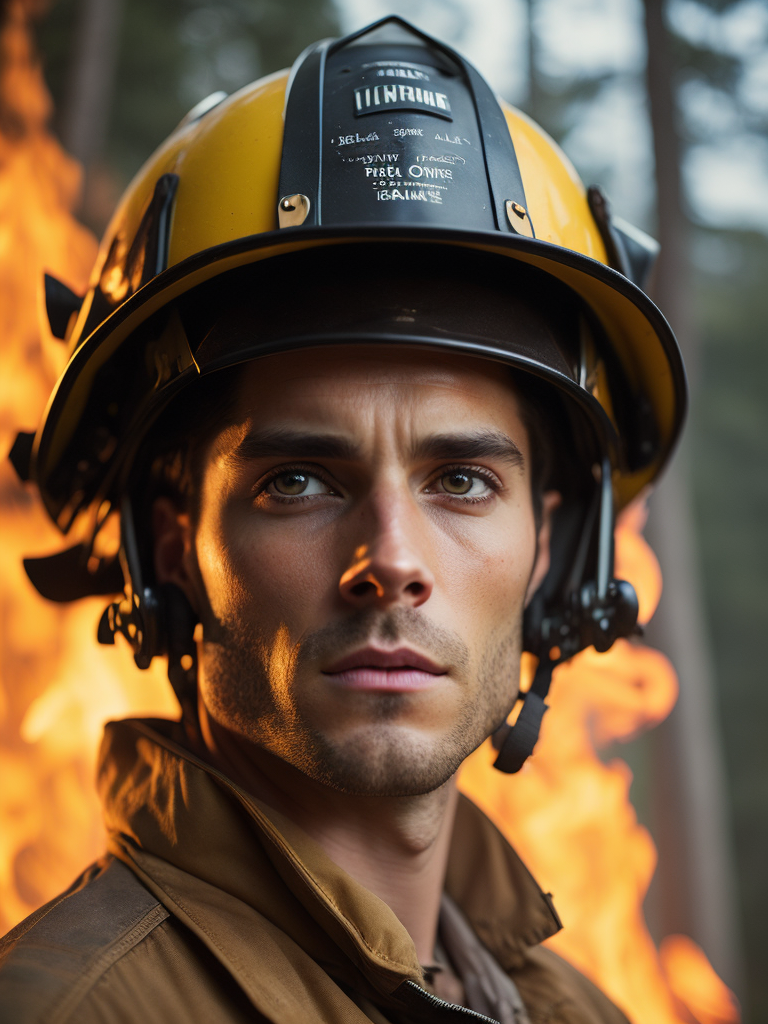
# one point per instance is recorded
(137, 619)
(515, 743)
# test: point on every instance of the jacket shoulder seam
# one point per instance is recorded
(98, 967)
(51, 961)
(22, 929)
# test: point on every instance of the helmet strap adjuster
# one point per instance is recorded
(595, 614)
(155, 620)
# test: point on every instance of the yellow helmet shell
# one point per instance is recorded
(207, 202)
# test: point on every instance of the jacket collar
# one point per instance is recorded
(189, 831)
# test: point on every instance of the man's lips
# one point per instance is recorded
(395, 671)
(374, 657)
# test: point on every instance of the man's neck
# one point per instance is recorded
(397, 847)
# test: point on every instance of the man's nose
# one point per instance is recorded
(390, 567)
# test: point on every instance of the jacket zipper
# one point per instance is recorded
(417, 992)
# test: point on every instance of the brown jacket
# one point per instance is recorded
(213, 908)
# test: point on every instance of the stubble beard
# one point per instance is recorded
(383, 758)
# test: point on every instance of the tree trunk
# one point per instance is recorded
(695, 887)
(85, 117)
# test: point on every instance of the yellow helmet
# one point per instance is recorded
(378, 193)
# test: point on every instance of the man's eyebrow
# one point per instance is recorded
(292, 444)
(281, 443)
(469, 447)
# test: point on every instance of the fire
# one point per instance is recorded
(570, 817)
(56, 686)
(567, 812)
(693, 982)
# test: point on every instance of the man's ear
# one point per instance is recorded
(172, 531)
(549, 502)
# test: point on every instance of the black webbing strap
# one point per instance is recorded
(517, 743)
(300, 163)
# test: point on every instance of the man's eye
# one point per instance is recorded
(464, 484)
(295, 483)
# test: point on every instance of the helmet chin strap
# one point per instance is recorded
(515, 743)
(597, 614)
(154, 620)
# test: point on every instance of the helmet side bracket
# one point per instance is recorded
(155, 620)
(597, 613)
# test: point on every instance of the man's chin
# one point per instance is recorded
(385, 761)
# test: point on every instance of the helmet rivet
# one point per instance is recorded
(518, 218)
(293, 210)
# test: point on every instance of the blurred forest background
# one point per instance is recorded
(666, 105)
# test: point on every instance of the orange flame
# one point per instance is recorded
(567, 812)
(56, 686)
(694, 984)
(569, 815)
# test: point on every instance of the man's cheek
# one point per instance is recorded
(223, 584)
(492, 587)
(275, 585)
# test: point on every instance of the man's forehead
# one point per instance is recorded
(336, 404)
(357, 369)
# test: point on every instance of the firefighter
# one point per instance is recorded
(365, 374)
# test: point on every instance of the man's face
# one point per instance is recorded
(361, 559)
